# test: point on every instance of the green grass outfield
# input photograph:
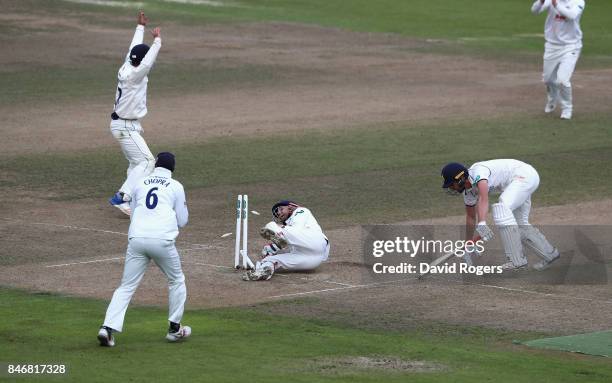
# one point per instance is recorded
(231, 345)
(499, 26)
(365, 175)
(490, 29)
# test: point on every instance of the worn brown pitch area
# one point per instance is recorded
(83, 256)
(328, 79)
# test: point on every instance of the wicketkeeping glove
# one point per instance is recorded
(486, 234)
(269, 249)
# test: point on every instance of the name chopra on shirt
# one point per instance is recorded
(157, 180)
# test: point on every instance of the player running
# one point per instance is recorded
(130, 108)
(295, 229)
(561, 52)
(516, 181)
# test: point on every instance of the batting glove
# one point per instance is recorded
(269, 249)
(486, 234)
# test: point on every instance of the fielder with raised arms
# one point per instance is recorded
(295, 229)
(516, 181)
(159, 207)
(130, 108)
(561, 51)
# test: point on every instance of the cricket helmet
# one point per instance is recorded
(282, 203)
(454, 172)
(137, 53)
(165, 160)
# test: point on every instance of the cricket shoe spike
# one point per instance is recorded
(566, 115)
(182, 333)
(105, 336)
(273, 232)
(263, 274)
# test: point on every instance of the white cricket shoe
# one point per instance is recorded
(105, 336)
(182, 333)
(550, 107)
(509, 266)
(263, 274)
(566, 115)
(273, 232)
(544, 264)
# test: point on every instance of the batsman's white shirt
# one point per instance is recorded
(516, 180)
(562, 25)
(158, 207)
(131, 96)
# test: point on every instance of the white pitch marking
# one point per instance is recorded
(337, 283)
(80, 263)
(109, 3)
(211, 265)
(113, 259)
(211, 3)
(336, 289)
(544, 294)
(74, 227)
(199, 245)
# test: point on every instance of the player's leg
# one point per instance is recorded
(564, 76)
(515, 195)
(531, 236)
(135, 150)
(534, 239)
(167, 258)
(549, 76)
(510, 236)
(136, 262)
(291, 261)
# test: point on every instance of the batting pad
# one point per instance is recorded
(536, 241)
(595, 343)
(509, 234)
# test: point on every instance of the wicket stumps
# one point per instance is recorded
(242, 230)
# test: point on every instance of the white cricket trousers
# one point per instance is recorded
(559, 64)
(141, 160)
(307, 250)
(517, 195)
(139, 252)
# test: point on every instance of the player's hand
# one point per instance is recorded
(156, 32)
(486, 234)
(554, 3)
(142, 19)
(269, 249)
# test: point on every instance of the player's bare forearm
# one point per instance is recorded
(482, 208)
(470, 221)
